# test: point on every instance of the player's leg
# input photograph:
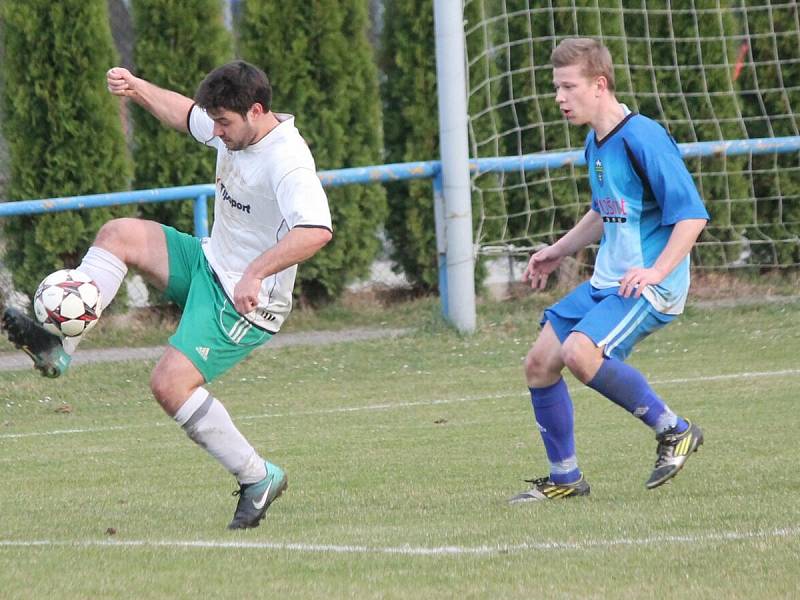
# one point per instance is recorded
(210, 339)
(552, 404)
(119, 243)
(178, 387)
(595, 352)
(127, 243)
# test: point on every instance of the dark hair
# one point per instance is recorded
(235, 86)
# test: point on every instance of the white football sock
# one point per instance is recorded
(209, 425)
(106, 269)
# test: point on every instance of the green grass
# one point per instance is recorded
(395, 448)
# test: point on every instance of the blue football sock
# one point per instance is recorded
(627, 387)
(552, 407)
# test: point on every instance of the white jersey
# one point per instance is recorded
(262, 192)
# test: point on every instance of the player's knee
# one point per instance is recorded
(166, 393)
(114, 230)
(576, 353)
(159, 385)
(537, 368)
(115, 234)
(165, 385)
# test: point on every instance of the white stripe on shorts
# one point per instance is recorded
(634, 313)
(239, 330)
(639, 313)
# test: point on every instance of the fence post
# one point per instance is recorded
(201, 216)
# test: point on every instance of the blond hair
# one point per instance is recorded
(594, 58)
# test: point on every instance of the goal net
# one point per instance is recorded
(707, 70)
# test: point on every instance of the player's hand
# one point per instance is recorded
(636, 279)
(121, 82)
(245, 294)
(540, 265)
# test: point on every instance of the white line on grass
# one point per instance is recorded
(396, 405)
(708, 538)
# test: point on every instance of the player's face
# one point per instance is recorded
(576, 94)
(235, 131)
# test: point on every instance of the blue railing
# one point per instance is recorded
(385, 173)
(379, 174)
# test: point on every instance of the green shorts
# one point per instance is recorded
(211, 333)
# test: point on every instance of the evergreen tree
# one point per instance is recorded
(542, 204)
(63, 128)
(322, 70)
(411, 130)
(677, 98)
(177, 44)
(680, 98)
(411, 126)
(770, 110)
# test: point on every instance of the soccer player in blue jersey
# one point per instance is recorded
(647, 214)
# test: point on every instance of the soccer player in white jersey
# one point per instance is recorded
(235, 287)
(647, 215)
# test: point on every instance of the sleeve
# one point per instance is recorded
(587, 157)
(302, 200)
(659, 164)
(201, 126)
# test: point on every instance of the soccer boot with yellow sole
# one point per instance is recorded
(45, 348)
(672, 453)
(545, 489)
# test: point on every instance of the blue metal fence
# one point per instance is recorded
(386, 173)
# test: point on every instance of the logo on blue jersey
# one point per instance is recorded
(612, 210)
(598, 171)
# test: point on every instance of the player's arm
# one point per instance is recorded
(684, 235)
(658, 162)
(586, 231)
(301, 243)
(171, 108)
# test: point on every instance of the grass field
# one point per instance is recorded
(400, 455)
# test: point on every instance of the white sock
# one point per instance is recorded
(209, 425)
(106, 269)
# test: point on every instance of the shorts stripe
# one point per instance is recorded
(239, 330)
(643, 314)
(633, 313)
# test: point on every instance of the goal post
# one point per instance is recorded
(456, 214)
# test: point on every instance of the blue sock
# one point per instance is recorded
(552, 407)
(627, 387)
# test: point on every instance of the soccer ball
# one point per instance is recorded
(67, 303)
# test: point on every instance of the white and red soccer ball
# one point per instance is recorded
(67, 303)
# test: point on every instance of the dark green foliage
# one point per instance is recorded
(177, 44)
(322, 70)
(696, 105)
(771, 106)
(411, 126)
(538, 205)
(411, 132)
(753, 201)
(63, 129)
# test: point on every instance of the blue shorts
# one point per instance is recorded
(612, 322)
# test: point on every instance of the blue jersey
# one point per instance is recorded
(641, 188)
